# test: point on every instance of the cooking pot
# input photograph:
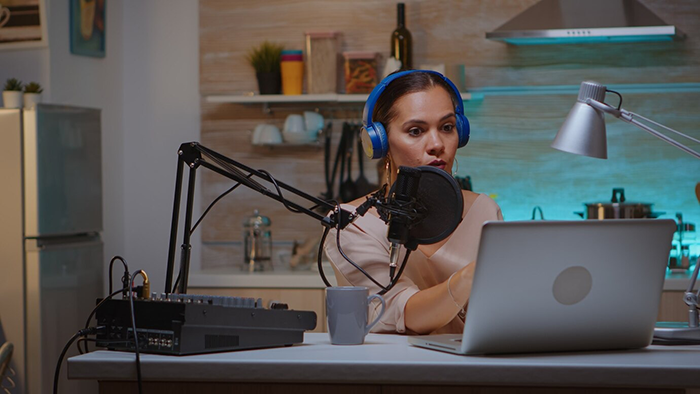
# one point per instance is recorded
(617, 208)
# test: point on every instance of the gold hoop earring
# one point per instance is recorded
(455, 170)
(387, 171)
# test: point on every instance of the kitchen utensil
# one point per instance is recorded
(257, 243)
(329, 175)
(617, 208)
(348, 189)
(683, 238)
(536, 209)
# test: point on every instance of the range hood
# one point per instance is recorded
(584, 21)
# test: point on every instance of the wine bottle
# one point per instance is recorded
(401, 43)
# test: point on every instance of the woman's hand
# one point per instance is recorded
(433, 308)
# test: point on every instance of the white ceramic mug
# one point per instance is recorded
(347, 312)
(266, 134)
(313, 121)
(4, 15)
(294, 124)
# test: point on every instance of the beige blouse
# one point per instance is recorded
(365, 243)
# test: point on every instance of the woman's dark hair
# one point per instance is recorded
(384, 111)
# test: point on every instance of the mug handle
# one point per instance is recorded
(4, 15)
(376, 320)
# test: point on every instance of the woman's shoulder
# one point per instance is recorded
(481, 205)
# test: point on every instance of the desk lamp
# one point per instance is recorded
(583, 133)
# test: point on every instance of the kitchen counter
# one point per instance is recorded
(278, 279)
(387, 360)
(234, 278)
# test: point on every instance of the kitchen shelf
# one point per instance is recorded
(302, 98)
(474, 94)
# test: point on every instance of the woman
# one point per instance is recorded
(418, 112)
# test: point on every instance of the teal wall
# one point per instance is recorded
(509, 155)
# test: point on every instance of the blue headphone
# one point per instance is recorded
(374, 138)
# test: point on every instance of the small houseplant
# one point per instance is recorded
(32, 94)
(12, 93)
(266, 59)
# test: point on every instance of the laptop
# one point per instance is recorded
(551, 286)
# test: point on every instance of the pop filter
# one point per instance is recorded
(440, 204)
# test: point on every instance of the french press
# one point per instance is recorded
(257, 243)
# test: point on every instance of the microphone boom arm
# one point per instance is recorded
(194, 155)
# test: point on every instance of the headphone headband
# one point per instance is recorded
(374, 138)
(379, 89)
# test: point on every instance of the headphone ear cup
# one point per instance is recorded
(374, 140)
(463, 129)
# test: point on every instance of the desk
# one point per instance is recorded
(388, 364)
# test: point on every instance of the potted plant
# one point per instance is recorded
(266, 59)
(32, 94)
(12, 93)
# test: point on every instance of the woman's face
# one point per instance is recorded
(424, 131)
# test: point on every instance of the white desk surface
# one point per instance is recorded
(231, 278)
(389, 359)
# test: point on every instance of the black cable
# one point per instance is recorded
(108, 343)
(383, 290)
(396, 279)
(251, 183)
(75, 336)
(618, 95)
(342, 253)
(133, 327)
(279, 192)
(94, 310)
(177, 282)
(111, 265)
(222, 195)
(320, 257)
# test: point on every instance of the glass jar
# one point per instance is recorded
(321, 62)
(257, 243)
(360, 72)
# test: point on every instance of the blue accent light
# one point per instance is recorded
(586, 40)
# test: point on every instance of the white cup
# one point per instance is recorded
(347, 314)
(313, 121)
(266, 134)
(294, 124)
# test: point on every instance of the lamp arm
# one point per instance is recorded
(629, 117)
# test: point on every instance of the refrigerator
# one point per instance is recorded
(51, 252)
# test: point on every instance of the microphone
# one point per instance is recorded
(424, 206)
(402, 202)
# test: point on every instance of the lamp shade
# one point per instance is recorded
(583, 131)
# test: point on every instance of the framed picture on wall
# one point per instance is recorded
(22, 24)
(87, 27)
